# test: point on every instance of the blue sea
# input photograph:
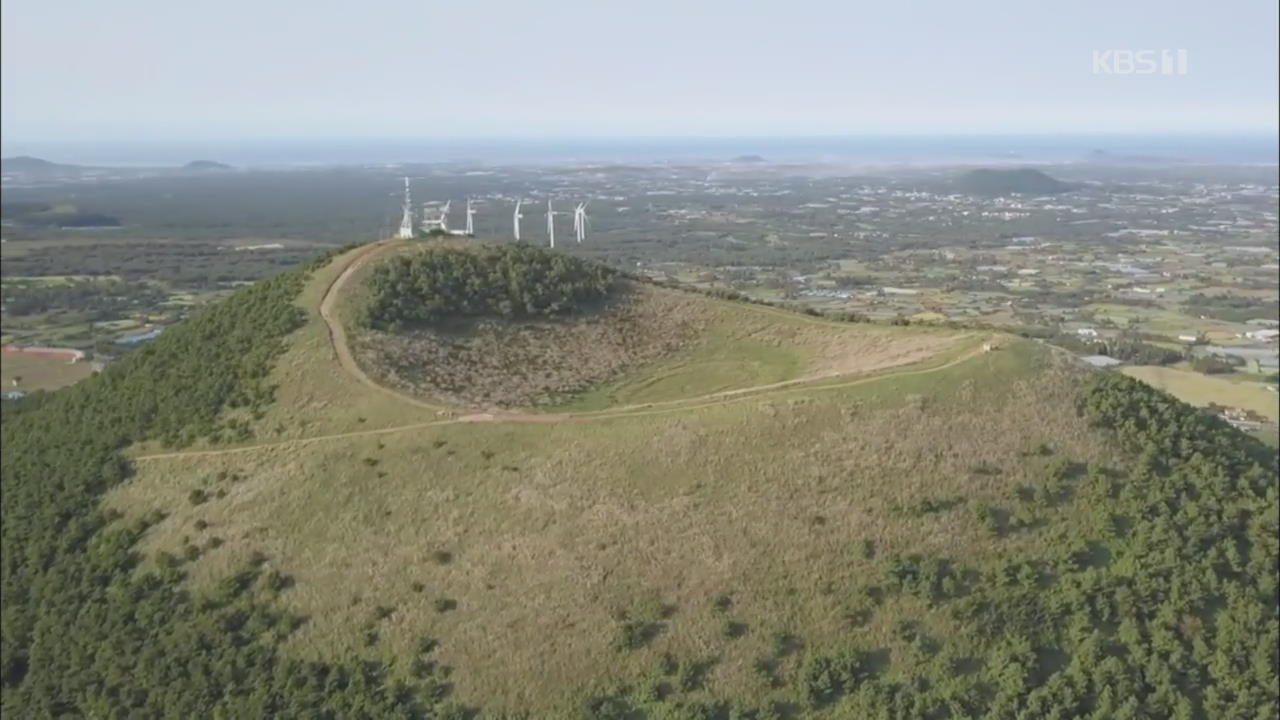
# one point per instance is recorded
(1254, 149)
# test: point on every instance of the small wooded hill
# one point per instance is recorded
(1019, 181)
(1007, 537)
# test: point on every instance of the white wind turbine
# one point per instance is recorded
(471, 213)
(443, 222)
(580, 221)
(515, 219)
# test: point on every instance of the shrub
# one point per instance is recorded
(826, 678)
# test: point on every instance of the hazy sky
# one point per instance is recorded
(171, 70)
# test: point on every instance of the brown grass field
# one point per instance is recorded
(40, 372)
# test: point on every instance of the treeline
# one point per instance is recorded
(1231, 308)
(510, 281)
(177, 264)
(99, 298)
(1126, 348)
(84, 633)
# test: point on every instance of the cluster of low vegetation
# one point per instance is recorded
(510, 281)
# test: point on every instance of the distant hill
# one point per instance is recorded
(748, 159)
(27, 168)
(1020, 181)
(27, 165)
(206, 165)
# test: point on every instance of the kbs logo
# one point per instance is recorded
(1139, 62)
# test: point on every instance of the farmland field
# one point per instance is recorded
(40, 373)
(1201, 390)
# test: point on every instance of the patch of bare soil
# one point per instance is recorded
(507, 364)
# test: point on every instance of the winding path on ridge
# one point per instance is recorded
(338, 334)
(341, 349)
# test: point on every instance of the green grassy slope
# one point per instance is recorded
(768, 498)
(972, 535)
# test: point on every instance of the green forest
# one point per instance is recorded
(1160, 602)
(511, 281)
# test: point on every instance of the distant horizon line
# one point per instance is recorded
(1272, 133)
(1219, 147)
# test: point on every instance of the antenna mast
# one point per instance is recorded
(406, 218)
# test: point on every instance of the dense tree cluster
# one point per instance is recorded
(1126, 347)
(511, 281)
(1216, 364)
(84, 633)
